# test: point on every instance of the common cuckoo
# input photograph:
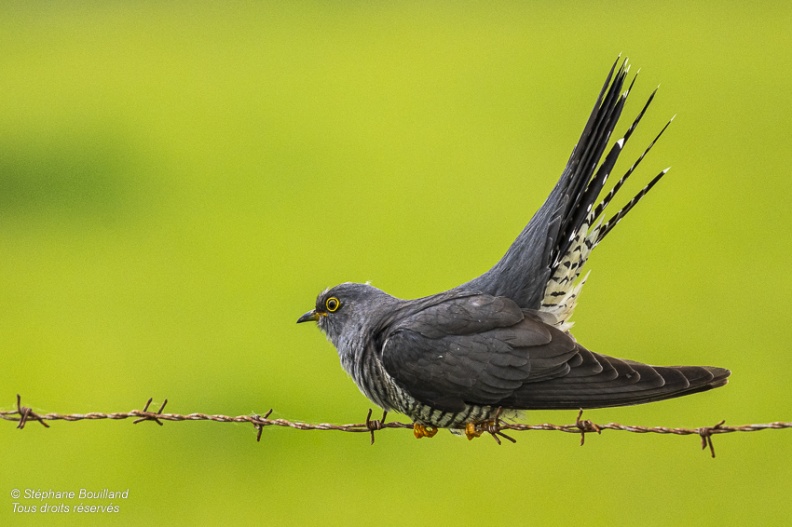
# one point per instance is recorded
(501, 341)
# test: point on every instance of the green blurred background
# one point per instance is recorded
(178, 182)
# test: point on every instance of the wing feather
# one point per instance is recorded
(483, 350)
(475, 349)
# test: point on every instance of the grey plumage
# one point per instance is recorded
(502, 340)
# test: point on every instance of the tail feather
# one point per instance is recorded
(583, 223)
(584, 214)
(613, 191)
(523, 272)
(570, 216)
(584, 180)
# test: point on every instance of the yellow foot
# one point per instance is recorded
(423, 431)
(471, 431)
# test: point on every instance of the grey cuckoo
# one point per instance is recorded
(501, 341)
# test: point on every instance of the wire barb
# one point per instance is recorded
(705, 433)
(586, 426)
(375, 425)
(151, 416)
(494, 426)
(26, 414)
(260, 423)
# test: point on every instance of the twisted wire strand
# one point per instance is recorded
(495, 427)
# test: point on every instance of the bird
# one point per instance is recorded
(502, 342)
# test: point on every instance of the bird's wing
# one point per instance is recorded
(477, 349)
(483, 350)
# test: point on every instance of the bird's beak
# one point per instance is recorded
(311, 315)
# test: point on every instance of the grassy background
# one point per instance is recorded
(178, 182)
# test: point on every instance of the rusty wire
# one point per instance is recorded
(494, 427)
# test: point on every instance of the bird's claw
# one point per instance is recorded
(420, 430)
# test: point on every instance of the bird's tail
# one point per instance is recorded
(541, 269)
(582, 222)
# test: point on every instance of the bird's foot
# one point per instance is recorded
(492, 426)
(473, 430)
(420, 430)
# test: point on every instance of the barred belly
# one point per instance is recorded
(379, 387)
(429, 416)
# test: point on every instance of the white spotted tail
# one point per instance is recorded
(565, 284)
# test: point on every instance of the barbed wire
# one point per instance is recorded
(495, 426)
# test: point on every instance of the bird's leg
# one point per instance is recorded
(420, 430)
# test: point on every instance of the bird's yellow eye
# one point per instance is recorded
(332, 304)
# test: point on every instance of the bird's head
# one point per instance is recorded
(346, 311)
